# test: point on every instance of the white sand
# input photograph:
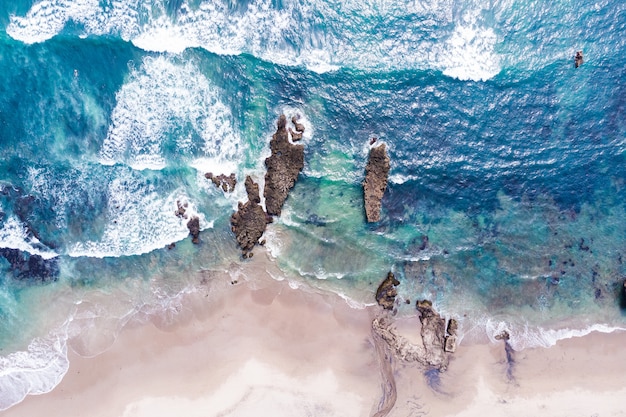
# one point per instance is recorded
(264, 348)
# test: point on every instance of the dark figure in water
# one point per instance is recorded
(578, 60)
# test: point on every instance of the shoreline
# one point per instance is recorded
(261, 345)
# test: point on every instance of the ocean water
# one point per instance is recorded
(506, 200)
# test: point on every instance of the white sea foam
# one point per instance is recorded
(322, 36)
(163, 103)
(34, 371)
(140, 220)
(527, 336)
(469, 53)
(14, 235)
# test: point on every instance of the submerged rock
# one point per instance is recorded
(283, 168)
(249, 222)
(226, 183)
(386, 292)
(31, 267)
(375, 183)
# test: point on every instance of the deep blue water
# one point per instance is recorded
(506, 195)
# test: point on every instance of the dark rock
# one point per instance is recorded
(453, 327)
(386, 292)
(31, 267)
(504, 335)
(249, 222)
(182, 208)
(578, 59)
(295, 136)
(226, 183)
(450, 341)
(194, 229)
(299, 126)
(375, 184)
(283, 168)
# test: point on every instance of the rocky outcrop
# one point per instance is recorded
(31, 267)
(386, 292)
(194, 229)
(250, 220)
(578, 59)
(226, 183)
(375, 183)
(431, 352)
(297, 135)
(433, 334)
(283, 168)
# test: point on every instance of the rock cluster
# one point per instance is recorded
(375, 183)
(283, 167)
(386, 292)
(193, 224)
(438, 340)
(226, 183)
(31, 267)
(249, 221)
(297, 135)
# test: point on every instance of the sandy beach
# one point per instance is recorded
(264, 348)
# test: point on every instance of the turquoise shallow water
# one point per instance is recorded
(506, 196)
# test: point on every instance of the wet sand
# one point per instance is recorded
(262, 347)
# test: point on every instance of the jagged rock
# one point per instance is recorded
(375, 184)
(433, 334)
(226, 183)
(249, 222)
(295, 136)
(182, 208)
(299, 126)
(578, 59)
(194, 229)
(283, 168)
(453, 326)
(386, 292)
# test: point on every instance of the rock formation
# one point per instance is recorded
(283, 168)
(450, 341)
(180, 211)
(386, 292)
(249, 222)
(431, 352)
(226, 183)
(297, 135)
(31, 267)
(194, 229)
(578, 59)
(375, 184)
(433, 334)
